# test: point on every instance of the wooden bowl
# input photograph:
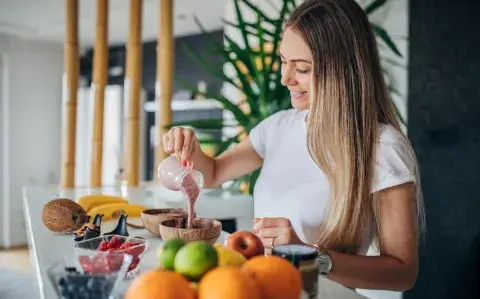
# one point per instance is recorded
(207, 230)
(152, 218)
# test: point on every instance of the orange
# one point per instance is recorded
(228, 282)
(160, 284)
(276, 277)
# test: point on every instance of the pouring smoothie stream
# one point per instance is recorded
(174, 176)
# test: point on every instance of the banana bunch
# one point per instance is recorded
(111, 207)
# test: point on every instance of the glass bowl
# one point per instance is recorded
(85, 276)
(136, 247)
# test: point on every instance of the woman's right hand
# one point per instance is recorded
(182, 142)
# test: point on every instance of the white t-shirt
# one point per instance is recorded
(291, 185)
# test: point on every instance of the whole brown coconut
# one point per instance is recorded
(63, 215)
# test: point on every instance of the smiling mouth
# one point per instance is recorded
(297, 94)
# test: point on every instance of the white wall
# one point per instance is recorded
(115, 119)
(35, 93)
(2, 141)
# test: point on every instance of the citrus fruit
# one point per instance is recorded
(160, 284)
(228, 282)
(167, 252)
(229, 257)
(195, 259)
(276, 277)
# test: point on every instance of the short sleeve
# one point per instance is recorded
(395, 162)
(263, 131)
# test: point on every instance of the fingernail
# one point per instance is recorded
(184, 163)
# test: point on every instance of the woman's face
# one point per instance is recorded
(296, 68)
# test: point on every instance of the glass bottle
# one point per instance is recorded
(305, 259)
(172, 173)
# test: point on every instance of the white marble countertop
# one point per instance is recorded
(48, 247)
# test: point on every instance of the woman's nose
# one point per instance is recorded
(287, 77)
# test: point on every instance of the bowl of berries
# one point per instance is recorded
(107, 244)
(71, 279)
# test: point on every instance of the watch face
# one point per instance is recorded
(324, 263)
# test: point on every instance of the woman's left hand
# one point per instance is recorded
(275, 231)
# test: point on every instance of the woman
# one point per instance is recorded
(337, 172)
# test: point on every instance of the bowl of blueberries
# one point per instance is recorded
(89, 276)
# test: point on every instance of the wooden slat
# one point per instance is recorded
(72, 66)
(133, 85)
(100, 77)
(165, 75)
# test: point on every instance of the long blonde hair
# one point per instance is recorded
(349, 103)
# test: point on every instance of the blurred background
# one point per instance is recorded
(429, 51)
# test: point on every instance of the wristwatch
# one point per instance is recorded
(325, 262)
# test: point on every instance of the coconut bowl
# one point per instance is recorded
(207, 230)
(152, 218)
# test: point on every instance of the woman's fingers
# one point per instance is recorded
(189, 139)
(171, 141)
(178, 144)
(271, 222)
(165, 142)
(181, 142)
(269, 232)
(277, 235)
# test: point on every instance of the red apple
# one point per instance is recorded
(245, 242)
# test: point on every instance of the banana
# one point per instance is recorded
(115, 210)
(91, 201)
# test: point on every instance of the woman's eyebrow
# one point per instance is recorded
(297, 59)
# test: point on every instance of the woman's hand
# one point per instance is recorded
(275, 231)
(182, 142)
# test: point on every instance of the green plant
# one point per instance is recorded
(256, 65)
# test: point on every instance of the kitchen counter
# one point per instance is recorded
(47, 247)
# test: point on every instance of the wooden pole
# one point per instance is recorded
(133, 84)
(100, 77)
(165, 74)
(72, 66)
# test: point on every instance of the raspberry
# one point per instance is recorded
(103, 246)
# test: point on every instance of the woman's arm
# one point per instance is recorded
(231, 164)
(397, 266)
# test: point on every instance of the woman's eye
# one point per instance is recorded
(302, 71)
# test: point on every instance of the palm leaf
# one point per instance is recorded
(382, 33)
(259, 12)
(242, 27)
(250, 28)
(393, 62)
(224, 145)
(374, 6)
(205, 65)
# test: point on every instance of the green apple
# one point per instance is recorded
(167, 252)
(195, 259)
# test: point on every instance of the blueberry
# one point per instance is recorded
(80, 280)
(62, 281)
(72, 288)
(65, 293)
(71, 269)
(94, 284)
